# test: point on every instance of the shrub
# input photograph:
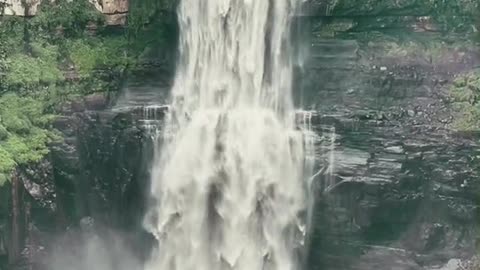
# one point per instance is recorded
(72, 16)
(7, 164)
(39, 67)
(465, 94)
(24, 132)
(88, 55)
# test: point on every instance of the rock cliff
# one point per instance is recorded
(115, 11)
(19, 7)
(401, 189)
(398, 184)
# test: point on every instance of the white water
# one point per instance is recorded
(228, 176)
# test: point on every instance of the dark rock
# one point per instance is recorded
(78, 106)
(96, 102)
(87, 223)
(401, 194)
(3, 243)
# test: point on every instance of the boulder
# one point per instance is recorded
(15, 7)
(116, 11)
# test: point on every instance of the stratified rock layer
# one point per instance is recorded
(404, 185)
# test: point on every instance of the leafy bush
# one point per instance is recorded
(90, 54)
(465, 93)
(7, 164)
(10, 43)
(34, 52)
(24, 132)
(72, 16)
(39, 67)
(25, 70)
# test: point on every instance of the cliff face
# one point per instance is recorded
(96, 177)
(402, 190)
(388, 7)
(15, 7)
(115, 11)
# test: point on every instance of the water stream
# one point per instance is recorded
(228, 183)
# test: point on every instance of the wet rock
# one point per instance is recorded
(96, 102)
(404, 190)
(77, 106)
(452, 264)
(37, 183)
(3, 243)
(395, 150)
(384, 258)
(87, 223)
(115, 11)
(116, 19)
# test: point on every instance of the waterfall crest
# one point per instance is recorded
(227, 179)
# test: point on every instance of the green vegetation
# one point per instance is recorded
(417, 31)
(70, 16)
(465, 93)
(438, 8)
(34, 58)
(379, 17)
(150, 26)
(63, 53)
(40, 50)
(91, 54)
(39, 67)
(24, 132)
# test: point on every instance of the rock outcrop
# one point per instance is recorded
(402, 187)
(19, 7)
(115, 11)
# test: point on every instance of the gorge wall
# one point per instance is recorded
(379, 77)
(398, 150)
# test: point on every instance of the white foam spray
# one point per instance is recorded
(227, 179)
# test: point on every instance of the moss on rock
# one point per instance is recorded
(465, 95)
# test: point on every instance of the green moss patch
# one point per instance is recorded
(465, 94)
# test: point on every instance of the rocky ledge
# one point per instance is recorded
(399, 184)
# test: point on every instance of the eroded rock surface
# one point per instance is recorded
(402, 188)
(116, 11)
(17, 8)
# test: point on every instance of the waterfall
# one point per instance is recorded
(227, 187)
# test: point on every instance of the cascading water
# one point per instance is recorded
(227, 180)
